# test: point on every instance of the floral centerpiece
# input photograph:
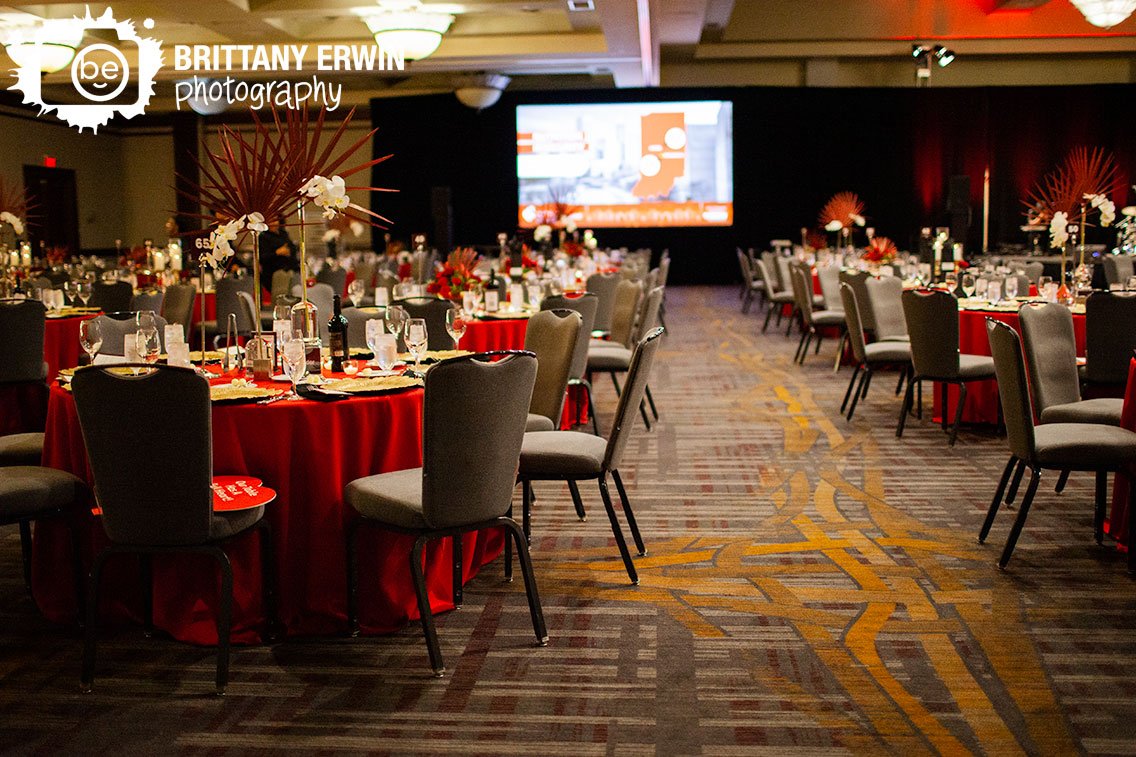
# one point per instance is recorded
(13, 207)
(456, 275)
(842, 211)
(528, 265)
(879, 250)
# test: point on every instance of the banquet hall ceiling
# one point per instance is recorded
(543, 44)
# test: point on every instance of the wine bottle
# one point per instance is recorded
(337, 336)
(492, 293)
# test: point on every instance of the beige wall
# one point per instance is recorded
(122, 182)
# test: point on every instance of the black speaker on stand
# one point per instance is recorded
(958, 208)
(442, 215)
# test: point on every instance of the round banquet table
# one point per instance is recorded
(210, 308)
(982, 396)
(61, 343)
(502, 334)
(23, 406)
(1117, 523)
(307, 451)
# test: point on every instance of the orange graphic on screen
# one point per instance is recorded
(664, 154)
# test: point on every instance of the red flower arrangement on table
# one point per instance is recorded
(528, 263)
(879, 250)
(573, 249)
(456, 276)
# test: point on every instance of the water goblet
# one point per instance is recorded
(355, 292)
(968, 285)
(295, 362)
(149, 345)
(396, 319)
(456, 325)
(417, 339)
(1010, 287)
(980, 285)
(374, 329)
(84, 292)
(90, 337)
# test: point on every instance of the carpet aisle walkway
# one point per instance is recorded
(812, 586)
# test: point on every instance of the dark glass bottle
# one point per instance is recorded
(337, 336)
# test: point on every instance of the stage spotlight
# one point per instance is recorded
(918, 50)
(944, 56)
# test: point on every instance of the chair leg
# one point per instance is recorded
(848, 391)
(509, 551)
(352, 578)
(1015, 482)
(768, 315)
(617, 531)
(146, 574)
(643, 414)
(268, 581)
(780, 312)
(90, 633)
(958, 413)
(899, 383)
(526, 509)
(591, 407)
(628, 513)
(919, 402)
(859, 391)
(1016, 529)
(77, 567)
(614, 382)
(535, 611)
(1061, 481)
(802, 343)
(424, 611)
(867, 383)
(747, 298)
(458, 576)
(840, 350)
(820, 338)
(906, 407)
(576, 501)
(26, 552)
(997, 501)
(944, 391)
(1099, 506)
(651, 401)
(224, 619)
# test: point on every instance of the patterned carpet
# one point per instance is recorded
(812, 586)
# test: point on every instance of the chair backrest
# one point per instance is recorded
(858, 281)
(322, 296)
(784, 273)
(282, 282)
(386, 280)
(771, 267)
(1117, 268)
(638, 374)
(603, 287)
(357, 324)
(829, 278)
(153, 472)
(177, 305)
(434, 312)
(1023, 284)
(664, 268)
(22, 327)
(1051, 353)
(768, 280)
(248, 306)
(1017, 410)
(150, 299)
(228, 302)
(115, 295)
(933, 324)
(470, 456)
(648, 317)
(1033, 270)
(627, 296)
(114, 331)
(336, 278)
(551, 336)
(586, 306)
(852, 319)
(802, 293)
(885, 300)
(743, 264)
(365, 273)
(1110, 336)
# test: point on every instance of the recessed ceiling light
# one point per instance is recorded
(581, 5)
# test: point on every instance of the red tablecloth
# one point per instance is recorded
(982, 396)
(306, 451)
(1117, 524)
(61, 347)
(483, 336)
(210, 308)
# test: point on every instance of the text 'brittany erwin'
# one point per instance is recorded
(214, 58)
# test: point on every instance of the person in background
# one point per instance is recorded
(390, 260)
(277, 253)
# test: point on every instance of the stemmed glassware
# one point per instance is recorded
(951, 280)
(84, 291)
(980, 285)
(374, 329)
(968, 285)
(416, 340)
(90, 337)
(149, 345)
(294, 358)
(456, 325)
(396, 319)
(355, 292)
(71, 289)
(1010, 285)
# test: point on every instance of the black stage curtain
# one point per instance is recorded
(898, 149)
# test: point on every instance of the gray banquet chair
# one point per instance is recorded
(149, 299)
(613, 358)
(775, 298)
(585, 305)
(30, 493)
(229, 303)
(111, 297)
(624, 315)
(1054, 446)
(434, 312)
(885, 300)
(603, 286)
(1117, 268)
(336, 278)
(1033, 270)
(858, 280)
(469, 464)
(177, 306)
(115, 330)
(868, 357)
(933, 323)
(1110, 338)
(811, 320)
(22, 327)
(322, 296)
(171, 418)
(572, 456)
(751, 281)
(357, 324)
(829, 278)
(551, 336)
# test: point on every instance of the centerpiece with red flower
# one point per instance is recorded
(842, 211)
(879, 250)
(456, 275)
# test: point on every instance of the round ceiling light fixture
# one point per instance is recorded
(49, 45)
(1105, 13)
(408, 29)
(480, 91)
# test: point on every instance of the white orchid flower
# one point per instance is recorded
(1108, 212)
(14, 221)
(569, 224)
(357, 228)
(1058, 229)
(256, 222)
(857, 219)
(331, 235)
(833, 226)
(313, 186)
(542, 233)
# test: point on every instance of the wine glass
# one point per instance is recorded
(469, 303)
(1130, 285)
(84, 292)
(145, 321)
(90, 337)
(951, 280)
(386, 352)
(396, 319)
(71, 289)
(980, 285)
(374, 329)
(1010, 286)
(355, 292)
(295, 362)
(416, 340)
(149, 345)
(968, 285)
(456, 325)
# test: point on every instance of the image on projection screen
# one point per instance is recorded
(626, 164)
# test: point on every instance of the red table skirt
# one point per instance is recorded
(61, 347)
(210, 308)
(482, 336)
(982, 396)
(307, 452)
(1117, 524)
(23, 408)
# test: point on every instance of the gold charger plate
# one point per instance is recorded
(238, 393)
(367, 386)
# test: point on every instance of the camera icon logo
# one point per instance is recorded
(111, 76)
